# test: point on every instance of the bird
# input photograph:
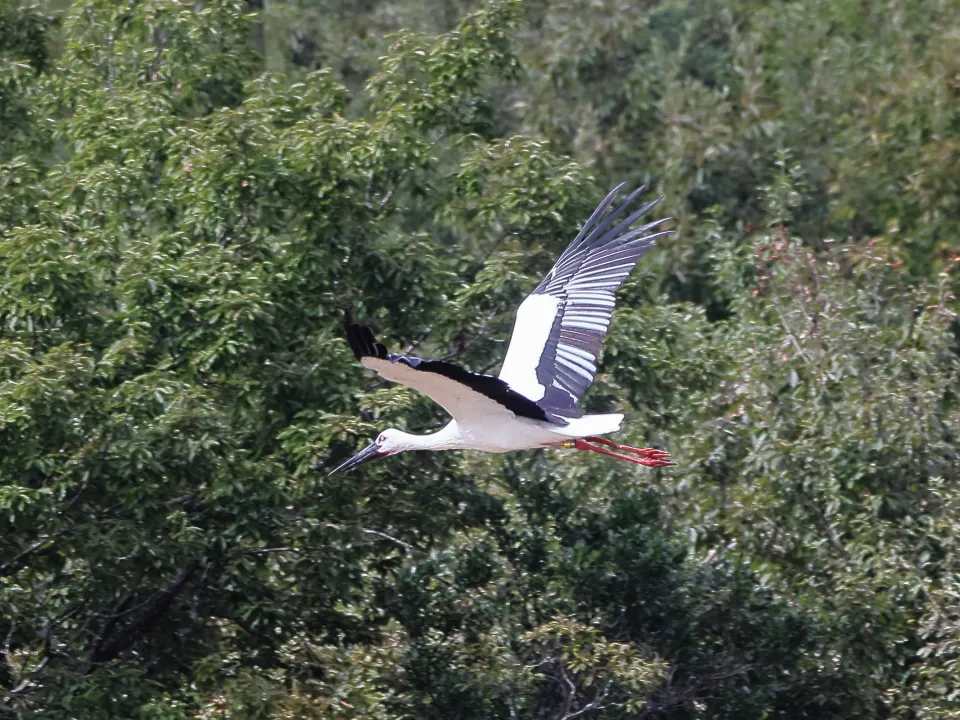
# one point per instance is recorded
(550, 360)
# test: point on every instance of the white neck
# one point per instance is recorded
(446, 438)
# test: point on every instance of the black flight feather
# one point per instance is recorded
(363, 344)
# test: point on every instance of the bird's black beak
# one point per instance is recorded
(370, 453)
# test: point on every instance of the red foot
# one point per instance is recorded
(651, 453)
(648, 457)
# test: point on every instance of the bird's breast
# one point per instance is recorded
(500, 435)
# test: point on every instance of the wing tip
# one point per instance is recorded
(602, 234)
(361, 340)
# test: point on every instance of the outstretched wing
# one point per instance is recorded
(463, 394)
(561, 325)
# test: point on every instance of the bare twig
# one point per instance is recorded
(8, 640)
(391, 191)
(571, 693)
(595, 704)
(401, 543)
(266, 551)
(793, 338)
(828, 528)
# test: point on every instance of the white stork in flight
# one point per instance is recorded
(550, 362)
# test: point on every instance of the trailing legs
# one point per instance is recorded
(648, 457)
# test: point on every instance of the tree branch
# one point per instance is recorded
(11, 566)
(105, 631)
(571, 693)
(102, 652)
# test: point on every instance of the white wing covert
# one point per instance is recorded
(560, 327)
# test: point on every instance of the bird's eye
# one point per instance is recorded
(380, 440)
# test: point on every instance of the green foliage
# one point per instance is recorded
(703, 97)
(181, 233)
(24, 55)
(704, 93)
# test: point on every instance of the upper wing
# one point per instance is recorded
(462, 393)
(561, 325)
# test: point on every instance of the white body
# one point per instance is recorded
(502, 435)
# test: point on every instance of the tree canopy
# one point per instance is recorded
(193, 194)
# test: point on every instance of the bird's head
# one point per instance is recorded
(387, 443)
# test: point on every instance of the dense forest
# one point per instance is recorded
(192, 194)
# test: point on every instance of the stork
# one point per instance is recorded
(550, 361)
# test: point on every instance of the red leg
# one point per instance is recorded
(645, 461)
(651, 453)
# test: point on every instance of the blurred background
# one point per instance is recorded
(193, 193)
